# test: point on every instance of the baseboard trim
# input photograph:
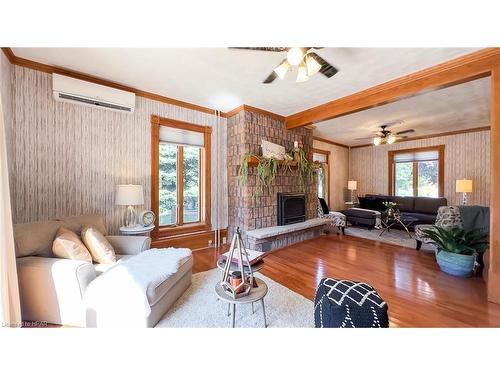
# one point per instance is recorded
(193, 241)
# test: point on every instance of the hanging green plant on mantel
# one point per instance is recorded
(306, 167)
(267, 169)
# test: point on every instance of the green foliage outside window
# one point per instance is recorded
(427, 176)
(168, 183)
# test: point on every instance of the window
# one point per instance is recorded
(417, 172)
(323, 175)
(180, 176)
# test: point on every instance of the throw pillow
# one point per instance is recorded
(67, 245)
(99, 247)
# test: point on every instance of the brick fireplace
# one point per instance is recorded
(246, 129)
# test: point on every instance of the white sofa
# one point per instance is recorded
(52, 289)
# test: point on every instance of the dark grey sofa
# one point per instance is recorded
(422, 208)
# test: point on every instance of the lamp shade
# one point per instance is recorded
(352, 185)
(464, 186)
(129, 195)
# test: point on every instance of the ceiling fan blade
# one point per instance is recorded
(405, 131)
(391, 123)
(327, 69)
(360, 139)
(270, 78)
(264, 49)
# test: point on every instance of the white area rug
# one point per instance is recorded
(394, 237)
(199, 307)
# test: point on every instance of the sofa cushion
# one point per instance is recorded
(372, 203)
(35, 238)
(67, 245)
(429, 205)
(76, 223)
(100, 268)
(156, 292)
(421, 218)
(405, 204)
(99, 247)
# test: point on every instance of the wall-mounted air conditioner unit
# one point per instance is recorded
(76, 91)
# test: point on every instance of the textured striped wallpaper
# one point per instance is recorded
(67, 159)
(467, 156)
(6, 94)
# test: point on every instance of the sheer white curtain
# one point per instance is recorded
(10, 311)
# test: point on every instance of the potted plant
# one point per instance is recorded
(457, 250)
(391, 209)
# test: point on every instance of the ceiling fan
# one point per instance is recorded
(384, 136)
(308, 62)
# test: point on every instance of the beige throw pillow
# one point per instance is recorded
(68, 245)
(99, 247)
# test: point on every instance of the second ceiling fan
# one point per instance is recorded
(384, 136)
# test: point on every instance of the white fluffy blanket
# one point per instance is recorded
(122, 291)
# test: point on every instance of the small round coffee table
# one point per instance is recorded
(403, 220)
(256, 294)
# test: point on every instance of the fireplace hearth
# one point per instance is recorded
(291, 208)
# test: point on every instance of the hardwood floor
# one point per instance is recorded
(417, 292)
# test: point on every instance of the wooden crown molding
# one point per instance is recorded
(86, 77)
(455, 132)
(249, 108)
(10, 55)
(462, 69)
(324, 140)
(145, 94)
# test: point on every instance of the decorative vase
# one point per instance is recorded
(455, 264)
(390, 212)
(235, 280)
(296, 155)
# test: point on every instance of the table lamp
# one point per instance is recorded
(352, 185)
(129, 195)
(464, 187)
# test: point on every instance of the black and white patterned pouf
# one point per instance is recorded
(348, 304)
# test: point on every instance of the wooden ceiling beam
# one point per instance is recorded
(462, 69)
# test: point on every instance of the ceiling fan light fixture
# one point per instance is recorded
(302, 73)
(313, 66)
(295, 56)
(281, 69)
(391, 139)
(377, 141)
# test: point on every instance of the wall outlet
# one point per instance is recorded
(210, 242)
(224, 239)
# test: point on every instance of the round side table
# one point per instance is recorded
(256, 294)
(137, 230)
(221, 263)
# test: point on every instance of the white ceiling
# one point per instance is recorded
(224, 79)
(458, 107)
